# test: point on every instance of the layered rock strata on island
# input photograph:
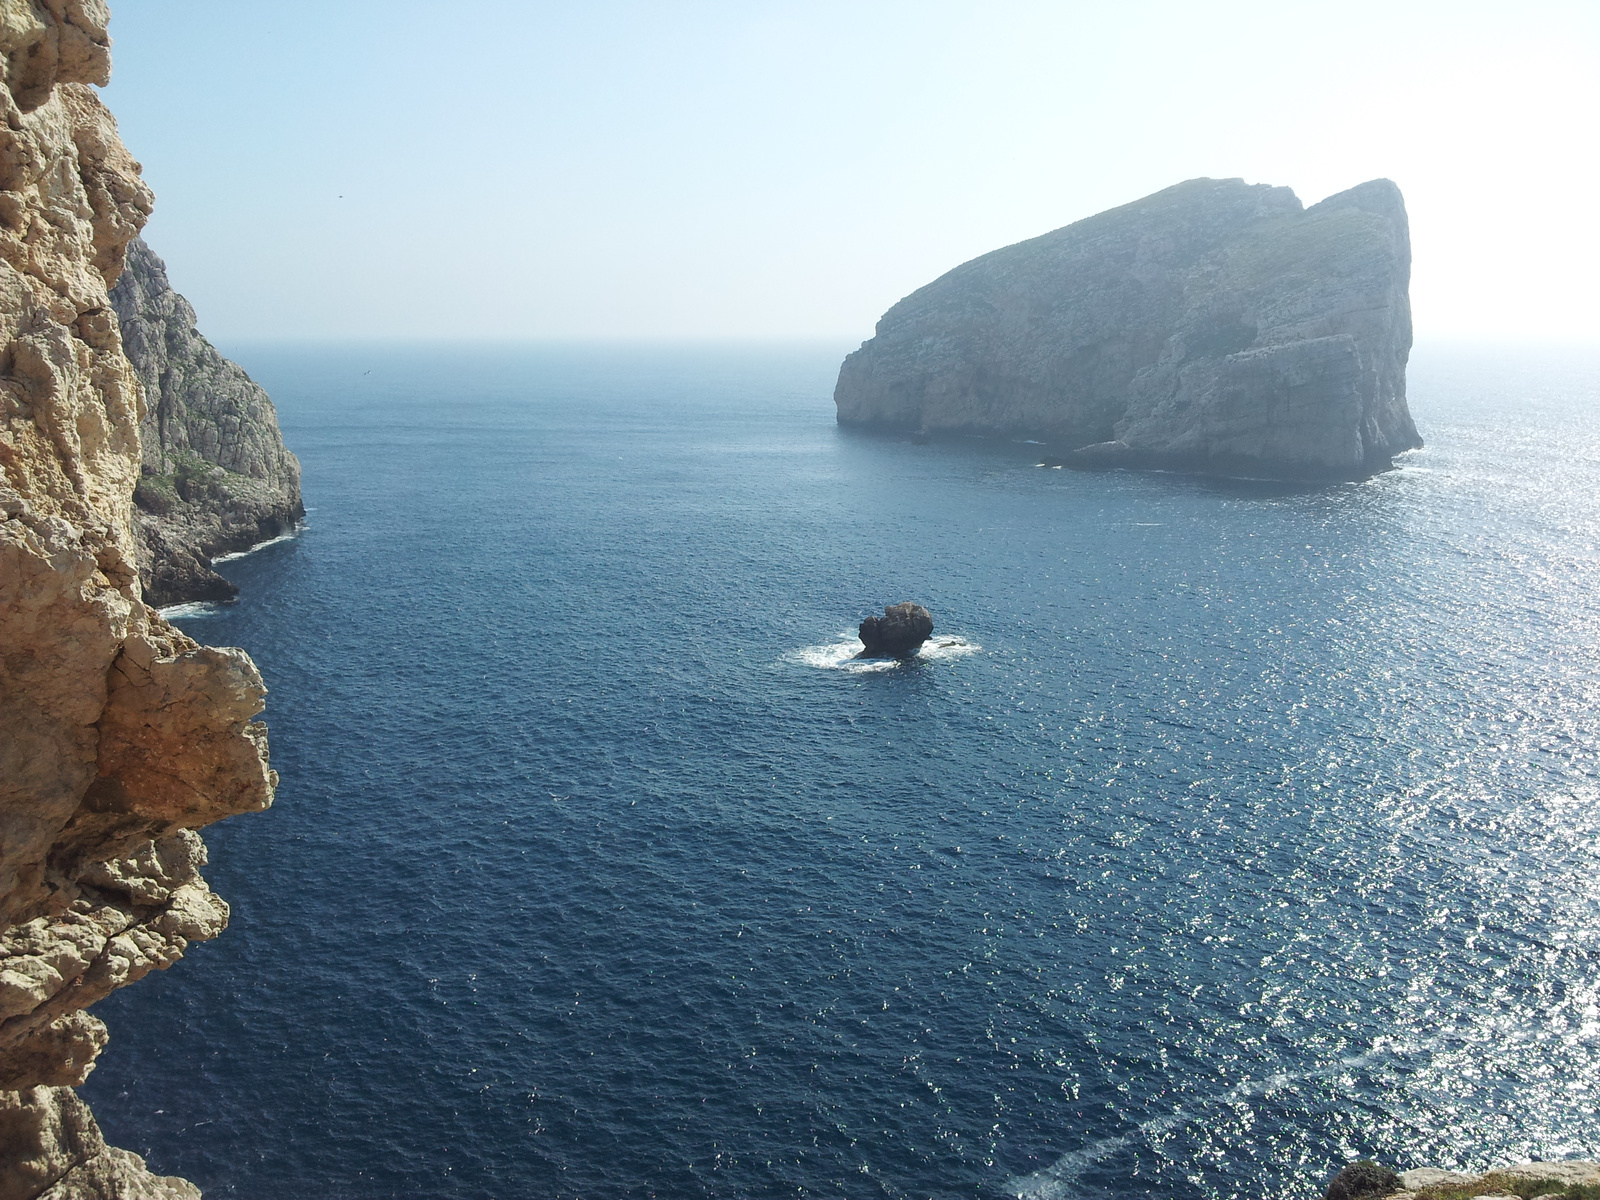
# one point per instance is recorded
(216, 477)
(119, 735)
(1216, 326)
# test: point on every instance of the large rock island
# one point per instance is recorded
(1216, 326)
(216, 477)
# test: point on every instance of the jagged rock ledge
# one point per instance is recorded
(1216, 327)
(216, 477)
(119, 735)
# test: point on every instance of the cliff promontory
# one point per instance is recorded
(119, 736)
(1216, 326)
(216, 477)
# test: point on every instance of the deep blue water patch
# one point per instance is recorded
(1247, 830)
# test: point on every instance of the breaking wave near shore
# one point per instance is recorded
(843, 654)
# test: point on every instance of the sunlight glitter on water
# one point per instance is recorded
(1262, 833)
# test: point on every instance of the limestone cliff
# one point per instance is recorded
(216, 477)
(119, 736)
(1215, 326)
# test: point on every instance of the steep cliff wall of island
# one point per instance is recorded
(216, 477)
(1214, 326)
(119, 736)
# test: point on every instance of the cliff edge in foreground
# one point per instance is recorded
(119, 736)
(216, 477)
(1216, 326)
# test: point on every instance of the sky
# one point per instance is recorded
(773, 170)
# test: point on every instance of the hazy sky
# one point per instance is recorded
(524, 170)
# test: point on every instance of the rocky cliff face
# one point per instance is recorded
(1215, 326)
(216, 477)
(119, 736)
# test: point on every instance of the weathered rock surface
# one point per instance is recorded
(900, 631)
(216, 477)
(119, 736)
(1567, 1174)
(1215, 326)
(54, 1151)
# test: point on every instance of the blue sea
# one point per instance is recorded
(1227, 831)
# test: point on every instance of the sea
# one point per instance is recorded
(1226, 831)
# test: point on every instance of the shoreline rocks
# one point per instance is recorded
(1216, 327)
(898, 633)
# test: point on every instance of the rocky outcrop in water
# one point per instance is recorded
(900, 631)
(216, 477)
(1216, 326)
(119, 736)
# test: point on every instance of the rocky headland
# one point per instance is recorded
(119, 735)
(1216, 326)
(216, 477)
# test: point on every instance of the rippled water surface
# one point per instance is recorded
(1236, 831)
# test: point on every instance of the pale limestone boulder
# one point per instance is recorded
(1425, 1177)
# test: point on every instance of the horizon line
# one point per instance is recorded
(733, 339)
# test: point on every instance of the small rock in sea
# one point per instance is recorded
(898, 633)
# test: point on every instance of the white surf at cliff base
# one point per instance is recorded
(842, 654)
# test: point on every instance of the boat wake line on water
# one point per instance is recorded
(1058, 1180)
